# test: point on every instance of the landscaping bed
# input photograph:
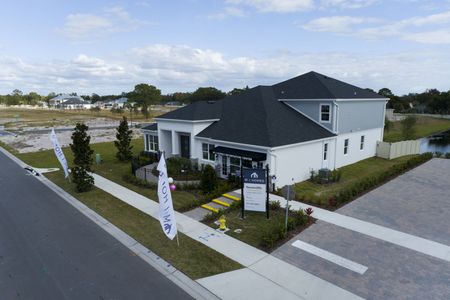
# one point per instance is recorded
(355, 180)
(258, 231)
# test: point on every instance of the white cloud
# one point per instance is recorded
(229, 11)
(336, 23)
(347, 4)
(183, 68)
(88, 27)
(282, 6)
(431, 29)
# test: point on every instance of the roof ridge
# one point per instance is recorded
(267, 115)
(322, 84)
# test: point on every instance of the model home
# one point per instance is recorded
(306, 123)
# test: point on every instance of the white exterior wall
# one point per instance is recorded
(297, 161)
(169, 135)
(354, 153)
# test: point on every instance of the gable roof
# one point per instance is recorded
(151, 127)
(255, 117)
(313, 85)
(200, 110)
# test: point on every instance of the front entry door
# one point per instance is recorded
(185, 146)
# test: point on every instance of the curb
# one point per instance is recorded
(190, 286)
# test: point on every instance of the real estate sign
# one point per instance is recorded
(255, 189)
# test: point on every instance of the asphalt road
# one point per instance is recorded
(49, 250)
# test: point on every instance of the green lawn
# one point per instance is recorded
(191, 257)
(425, 126)
(350, 174)
(110, 168)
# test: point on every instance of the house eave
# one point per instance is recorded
(186, 121)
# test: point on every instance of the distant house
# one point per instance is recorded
(115, 103)
(309, 122)
(65, 101)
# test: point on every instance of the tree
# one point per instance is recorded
(206, 93)
(123, 141)
(95, 97)
(236, 91)
(82, 158)
(385, 92)
(145, 95)
(408, 127)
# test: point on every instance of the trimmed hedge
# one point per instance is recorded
(362, 186)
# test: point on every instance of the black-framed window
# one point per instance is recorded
(207, 151)
(152, 143)
(325, 113)
(361, 145)
(325, 151)
(346, 142)
(235, 165)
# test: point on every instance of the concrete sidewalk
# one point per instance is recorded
(265, 276)
(396, 237)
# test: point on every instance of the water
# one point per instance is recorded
(436, 143)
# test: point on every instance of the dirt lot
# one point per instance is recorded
(28, 130)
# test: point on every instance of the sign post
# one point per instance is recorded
(255, 190)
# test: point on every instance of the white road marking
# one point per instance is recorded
(339, 260)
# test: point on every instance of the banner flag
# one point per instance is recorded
(59, 153)
(166, 213)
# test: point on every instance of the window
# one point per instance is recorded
(325, 151)
(207, 150)
(152, 143)
(235, 165)
(345, 146)
(361, 145)
(325, 113)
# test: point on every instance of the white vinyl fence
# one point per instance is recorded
(394, 150)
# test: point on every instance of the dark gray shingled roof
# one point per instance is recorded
(153, 127)
(313, 85)
(201, 110)
(255, 117)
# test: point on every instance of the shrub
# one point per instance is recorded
(274, 205)
(309, 211)
(208, 179)
(272, 235)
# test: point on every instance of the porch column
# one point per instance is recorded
(175, 147)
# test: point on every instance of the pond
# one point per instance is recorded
(436, 143)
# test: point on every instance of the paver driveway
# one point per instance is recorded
(418, 203)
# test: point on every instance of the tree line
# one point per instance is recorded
(431, 101)
(142, 94)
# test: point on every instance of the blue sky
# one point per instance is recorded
(110, 46)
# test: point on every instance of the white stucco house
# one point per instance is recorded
(306, 123)
(65, 101)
